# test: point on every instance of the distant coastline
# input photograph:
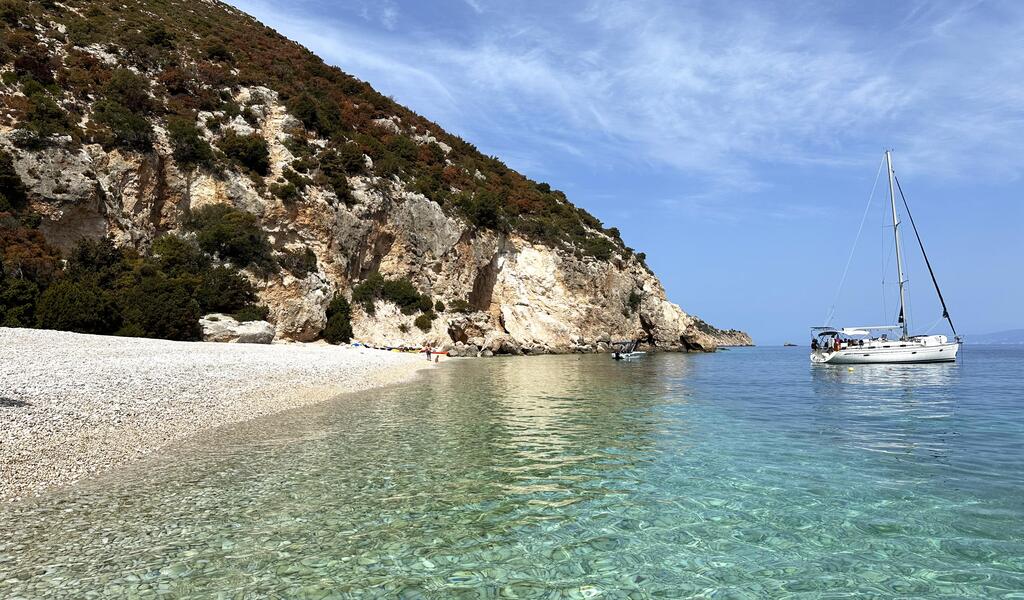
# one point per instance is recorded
(1009, 336)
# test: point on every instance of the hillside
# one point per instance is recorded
(1010, 336)
(231, 170)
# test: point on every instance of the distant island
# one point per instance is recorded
(1009, 336)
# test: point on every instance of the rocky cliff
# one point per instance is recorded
(335, 173)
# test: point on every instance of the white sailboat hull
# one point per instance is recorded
(896, 352)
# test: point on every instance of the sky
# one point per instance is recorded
(736, 143)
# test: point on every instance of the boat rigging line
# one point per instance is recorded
(945, 311)
(849, 260)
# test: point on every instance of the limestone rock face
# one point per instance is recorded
(513, 296)
(223, 328)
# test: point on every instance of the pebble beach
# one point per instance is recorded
(73, 405)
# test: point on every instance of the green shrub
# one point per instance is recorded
(190, 149)
(291, 176)
(218, 52)
(634, 301)
(403, 148)
(288, 193)
(250, 151)
(77, 305)
(12, 10)
(128, 130)
(45, 118)
(231, 234)
(599, 247)
(387, 167)
(484, 210)
(316, 113)
(160, 307)
(13, 194)
(351, 159)
(156, 34)
(333, 174)
(252, 312)
(398, 291)
(367, 291)
(223, 290)
(439, 306)
(130, 90)
(98, 260)
(17, 302)
(339, 321)
(460, 306)
(179, 256)
(424, 321)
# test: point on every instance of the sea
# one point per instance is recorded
(746, 473)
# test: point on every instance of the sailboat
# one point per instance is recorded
(887, 343)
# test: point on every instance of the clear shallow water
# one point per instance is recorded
(742, 474)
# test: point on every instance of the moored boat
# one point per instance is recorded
(872, 345)
(627, 350)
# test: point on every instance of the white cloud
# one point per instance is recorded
(718, 91)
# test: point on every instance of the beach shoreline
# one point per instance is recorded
(74, 405)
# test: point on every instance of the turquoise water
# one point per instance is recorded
(743, 474)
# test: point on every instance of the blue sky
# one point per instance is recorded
(735, 143)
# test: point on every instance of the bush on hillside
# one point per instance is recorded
(125, 129)
(158, 306)
(13, 194)
(45, 118)
(333, 174)
(190, 149)
(460, 306)
(231, 234)
(223, 290)
(339, 321)
(424, 321)
(251, 312)
(77, 305)
(130, 90)
(249, 151)
(17, 302)
(179, 256)
(400, 292)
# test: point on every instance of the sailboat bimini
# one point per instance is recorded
(866, 345)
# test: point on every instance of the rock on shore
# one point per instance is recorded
(72, 405)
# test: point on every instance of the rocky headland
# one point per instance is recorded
(126, 120)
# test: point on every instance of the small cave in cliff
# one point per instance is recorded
(690, 345)
(483, 285)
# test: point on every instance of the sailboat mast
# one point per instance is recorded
(896, 235)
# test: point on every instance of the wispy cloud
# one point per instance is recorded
(720, 91)
(476, 5)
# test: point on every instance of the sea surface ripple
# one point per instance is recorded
(743, 474)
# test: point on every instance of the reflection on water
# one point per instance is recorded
(899, 409)
(745, 473)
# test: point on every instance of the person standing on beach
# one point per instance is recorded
(427, 350)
